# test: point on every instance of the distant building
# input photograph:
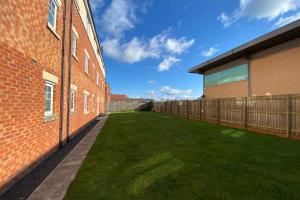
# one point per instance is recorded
(268, 65)
(119, 97)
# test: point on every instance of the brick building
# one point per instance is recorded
(268, 65)
(52, 80)
(119, 97)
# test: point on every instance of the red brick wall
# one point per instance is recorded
(27, 48)
(85, 81)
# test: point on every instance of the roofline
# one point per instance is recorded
(276, 37)
(94, 25)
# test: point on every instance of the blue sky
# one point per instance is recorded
(150, 44)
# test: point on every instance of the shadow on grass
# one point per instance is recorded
(150, 170)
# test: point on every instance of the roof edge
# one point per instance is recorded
(238, 51)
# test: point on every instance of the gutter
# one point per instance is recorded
(62, 76)
(70, 71)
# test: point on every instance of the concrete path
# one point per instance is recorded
(56, 184)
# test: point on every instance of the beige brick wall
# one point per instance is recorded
(274, 71)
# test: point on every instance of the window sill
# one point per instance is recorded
(49, 118)
(53, 31)
(75, 57)
(73, 112)
(86, 112)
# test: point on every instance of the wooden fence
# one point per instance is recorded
(119, 106)
(276, 115)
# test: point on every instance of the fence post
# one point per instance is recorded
(218, 111)
(288, 121)
(187, 109)
(245, 113)
(200, 112)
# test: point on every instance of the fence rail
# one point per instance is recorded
(276, 115)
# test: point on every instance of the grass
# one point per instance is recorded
(152, 156)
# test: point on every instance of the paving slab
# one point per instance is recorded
(55, 186)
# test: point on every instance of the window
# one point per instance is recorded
(52, 14)
(234, 74)
(86, 103)
(48, 99)
(86, 62)
(97, 80)
(72, 100)
(87, 24)
(74, 44)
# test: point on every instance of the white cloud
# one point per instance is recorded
(140, 49)
(151, 81)
(167, 90)
(119, 17)
(209, 52)
(225, 20)
(131, 52)
(259, 9)
(151, 94)
(136, 50)
(167, 63)
(96, 4)
(267, 9)
(178, 45)
(168, 93)
(286, 20)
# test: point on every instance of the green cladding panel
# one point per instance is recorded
(234, 74)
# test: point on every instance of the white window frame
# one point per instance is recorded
(88, 24)
(51, 85)
(56, 3)
(97, 79)
(73, 96)
(86, 102)
(75, 42)
(86, 62)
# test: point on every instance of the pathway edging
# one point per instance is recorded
(57, 182)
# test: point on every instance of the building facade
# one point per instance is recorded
(52, 80)
(268, 65)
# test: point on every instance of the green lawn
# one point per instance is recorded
(152, 156)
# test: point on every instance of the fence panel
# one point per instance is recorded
(118, 106)
(277, 115)
(209, 110)
(295, 117)
(268, 114)
(232, 111)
